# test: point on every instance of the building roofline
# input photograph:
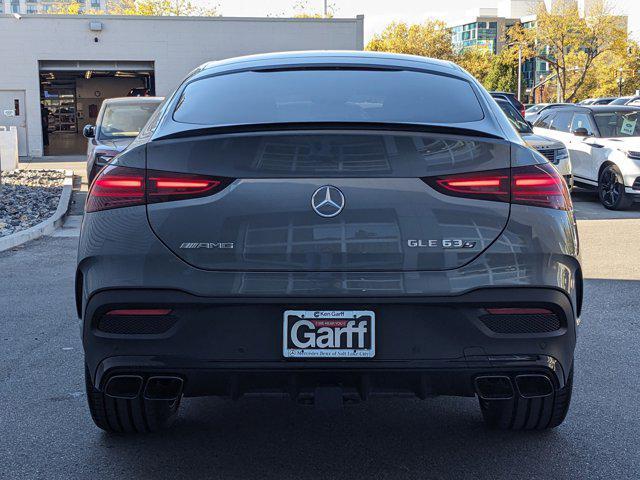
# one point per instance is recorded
(28, 16)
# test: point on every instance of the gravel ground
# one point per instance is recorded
(27, 197)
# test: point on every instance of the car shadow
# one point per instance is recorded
(275, 438)
(587, 206)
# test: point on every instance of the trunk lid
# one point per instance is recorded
(265, 219)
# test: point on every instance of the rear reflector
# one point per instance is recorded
(117, 186)
(518, 311)
(147, 312)
(536, 185)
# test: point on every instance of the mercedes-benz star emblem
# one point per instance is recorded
(327, 201)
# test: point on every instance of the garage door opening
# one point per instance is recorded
(71, 94)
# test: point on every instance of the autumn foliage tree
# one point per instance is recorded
(430, 39)
(571, 44)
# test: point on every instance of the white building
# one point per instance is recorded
(70, 64)
(46, 6)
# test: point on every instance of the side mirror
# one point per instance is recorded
(581, 132)
(89, 131)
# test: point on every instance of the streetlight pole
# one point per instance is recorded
(620, 82)
(519, 72)
(326, 8)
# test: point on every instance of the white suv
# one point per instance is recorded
(604, 145)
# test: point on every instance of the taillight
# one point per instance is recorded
(537, 185)
(117, 186)
(167, 186)
(540, 186)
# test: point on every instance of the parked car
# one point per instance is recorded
(119, 121)
(328, 225)
(624, 100)
(533, 115)
(553, 150)
(512, 99)
(597, 101)
(604, 144)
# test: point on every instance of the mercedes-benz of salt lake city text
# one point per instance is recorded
(604, 144)
(119, 121)
(331, 226)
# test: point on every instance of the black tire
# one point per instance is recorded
(611, 189)
(128, 416)
(528, 414)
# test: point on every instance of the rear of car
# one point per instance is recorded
(119, 121)
(330, 226)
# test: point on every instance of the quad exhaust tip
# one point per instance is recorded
(163, 388)
(494, 387)
(126, 387)
(501, 387)
(534, 386)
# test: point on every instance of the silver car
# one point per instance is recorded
(331, 226)
(119, 121)
(554, 150)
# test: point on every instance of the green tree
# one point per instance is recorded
(503, 72)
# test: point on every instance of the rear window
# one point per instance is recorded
(334, 95)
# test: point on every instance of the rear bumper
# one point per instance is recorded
(424, 345)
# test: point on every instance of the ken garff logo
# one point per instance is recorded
(327, 201)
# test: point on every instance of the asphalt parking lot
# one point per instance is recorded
(46, 432)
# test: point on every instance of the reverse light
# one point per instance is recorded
(117, 186)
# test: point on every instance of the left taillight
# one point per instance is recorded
(117, 186)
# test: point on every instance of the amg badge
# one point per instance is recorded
(217, 245)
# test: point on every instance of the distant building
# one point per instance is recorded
(47, 6)
(485, 30)
(487, 27)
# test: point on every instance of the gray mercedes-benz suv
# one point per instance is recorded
(329, 225)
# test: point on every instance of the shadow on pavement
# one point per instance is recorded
(588, 207)
(273, 438)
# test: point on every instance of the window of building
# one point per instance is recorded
(493, 24)
(32, 9)
(95, 3)
(15, 6)
(482, 24)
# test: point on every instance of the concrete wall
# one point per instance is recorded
(175, 44)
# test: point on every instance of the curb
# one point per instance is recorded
(47, 226)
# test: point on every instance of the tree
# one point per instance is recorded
(430, 39)
(502, 74)
(160, 8)
(478, 61)
(572, 44)
(301, 9)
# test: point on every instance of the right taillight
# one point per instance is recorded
(117, 186)
(540, 186)
(536, 185)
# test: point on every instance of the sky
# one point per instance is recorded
(378, 13)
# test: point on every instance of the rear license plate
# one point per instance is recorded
(329, 334)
